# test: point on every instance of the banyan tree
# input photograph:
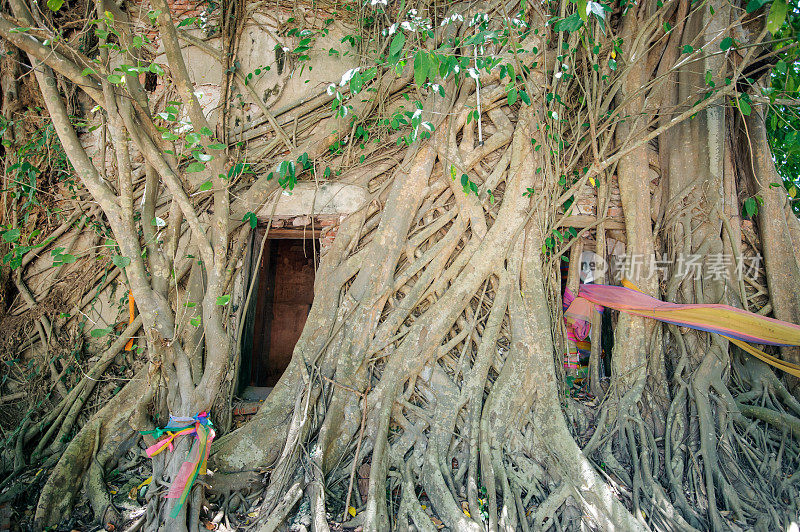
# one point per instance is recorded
(323, 264)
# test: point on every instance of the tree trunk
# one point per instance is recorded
(426, 386)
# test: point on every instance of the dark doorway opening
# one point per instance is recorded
(281, 302)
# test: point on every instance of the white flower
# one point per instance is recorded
(473, 73)
(559, 74)
(406, 25)
(393, 28)
(348, 76)
(554, 115)
(378, 2)
(416, 114)
(477, 19)
(596, 8)
(331, 88)
(185, 127)
(453, 18)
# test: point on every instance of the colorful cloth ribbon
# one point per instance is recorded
(131, 312)
(578, 319)
(737, 325)
(196, 462)
(578, 315)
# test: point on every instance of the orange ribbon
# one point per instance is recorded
(131, 307)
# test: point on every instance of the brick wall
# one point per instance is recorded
(586, 200)
(327, 226)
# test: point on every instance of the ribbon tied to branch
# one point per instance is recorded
(197, 460)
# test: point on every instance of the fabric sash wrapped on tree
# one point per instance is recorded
(737, 325)
(197, 460)
(578, 316)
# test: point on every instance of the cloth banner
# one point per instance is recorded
(737, 325)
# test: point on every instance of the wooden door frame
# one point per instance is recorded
(264, 293)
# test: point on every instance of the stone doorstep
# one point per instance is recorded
(250, 400)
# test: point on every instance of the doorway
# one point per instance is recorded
(283, 298)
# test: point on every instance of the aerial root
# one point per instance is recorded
(283, 508)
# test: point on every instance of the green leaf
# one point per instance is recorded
(745, 107)
(512, 96)
(754, 5)
(397, 44)
(99, 333)
(777, 14)
(195, 167)
(252, 218)
(687, 49)
(195, 321)
(54, 5)
(120, 261)
(66, 258)
(356, 83)
(186, 21)
(205, 186)
(421, 67)
(524, 97)
(750, 207)
(206, 131)
(153, 15)
(223, 300)
(192, 138)
(582, 10)
(726, 43)
(88, 70)
(571, 23)
(217, 146)
(12, 235)
(116, 79)
(156, 69)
